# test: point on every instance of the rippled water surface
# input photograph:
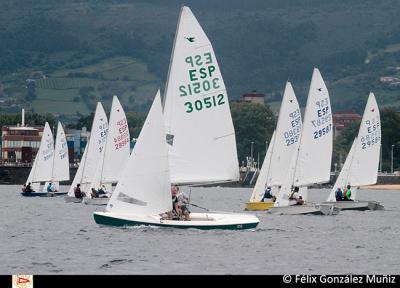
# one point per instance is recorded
(47, 236)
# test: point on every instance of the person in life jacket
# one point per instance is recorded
(348, 193)
(77, 191)
(339, 194)
(267, 194)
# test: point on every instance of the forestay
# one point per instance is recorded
(200, 133)
(144, 187)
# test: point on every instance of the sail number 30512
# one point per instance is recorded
(205, 103)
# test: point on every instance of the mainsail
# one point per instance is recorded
(199, 127)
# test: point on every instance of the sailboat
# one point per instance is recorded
(201, 144)
(42, 165)
(143, 194)
(282, 146)
(60, 170)
(50, 164)
(311, 161)
(94, 151)
(361, 165)
(116, 153)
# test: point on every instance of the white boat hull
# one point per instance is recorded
(96, 201)
(69, 199)
(203, 221)
(357, 205)
(315, 209)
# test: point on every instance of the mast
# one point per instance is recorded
(172, 58)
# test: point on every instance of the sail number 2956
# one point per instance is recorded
(205, 103)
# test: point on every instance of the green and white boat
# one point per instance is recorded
(191, 142)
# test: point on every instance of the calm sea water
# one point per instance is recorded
(47, 236)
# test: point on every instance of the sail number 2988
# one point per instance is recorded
(205, 103)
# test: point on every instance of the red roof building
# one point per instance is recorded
(254, 97)
(342, 119)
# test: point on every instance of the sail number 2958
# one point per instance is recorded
(321, 132)
(205, 103)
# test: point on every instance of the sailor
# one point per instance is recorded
(295, 193)
(347, 196)
(77, 191)
(339, 194)
(176, 211)
(299, 201)
(28, 188)
(183, 202)
(94, 193)
(267, 194)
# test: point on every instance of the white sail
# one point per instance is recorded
(98, 136)
(61, 157)
(79, 173)
(316, 144)
(44, 164)
(200, 133)
(364, 168)
(144, 188)
(35, 186)
(288, 132)
(259, 187)
(343, 177)
(117, 148)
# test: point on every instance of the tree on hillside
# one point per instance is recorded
(253, 123)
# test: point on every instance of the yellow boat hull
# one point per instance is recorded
(257, 206)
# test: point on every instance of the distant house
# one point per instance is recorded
(20, 144)
(342, 119)
(254, 97)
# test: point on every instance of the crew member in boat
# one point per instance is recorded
(175, 212)
(27, 188)
(267, 194)
(51, 187)
(347, 193)
(295, 193)
(93, 193)
(299, 200)
(183, 203)
(339, 194)
(77, 191)
(102, 191)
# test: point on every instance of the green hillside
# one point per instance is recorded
(78, 52)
